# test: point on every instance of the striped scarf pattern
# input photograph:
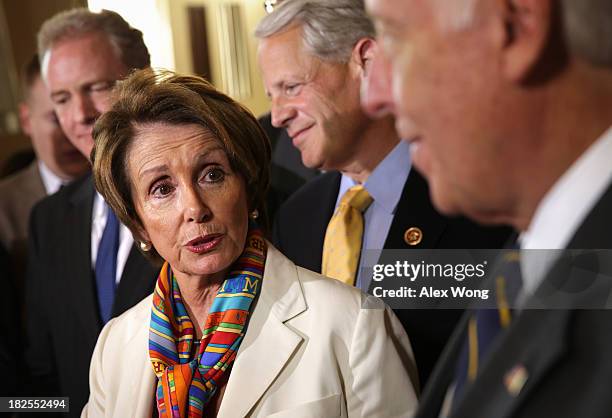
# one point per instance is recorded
(190, 372)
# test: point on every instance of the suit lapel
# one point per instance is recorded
(591, 235)
(415, 210)
(532, 347)
(78, 245)
(310, 234)
(443, 374)
(268, 343)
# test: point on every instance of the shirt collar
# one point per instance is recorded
(569, 201)
(386, 182)
(564, 208)
(51, 182)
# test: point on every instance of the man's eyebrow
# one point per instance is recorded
(58, 93)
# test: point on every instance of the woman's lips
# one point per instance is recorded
(204, 244)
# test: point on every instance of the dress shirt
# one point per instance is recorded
(563, 209)
(385, 185)
(51, 182)
(98, 223)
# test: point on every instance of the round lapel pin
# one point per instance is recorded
(413, 236)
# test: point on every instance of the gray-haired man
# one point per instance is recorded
(315, 58)
(508, 105)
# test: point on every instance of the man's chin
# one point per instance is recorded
(452, 204)
(311, 162)
(443, 202)
(85, 150)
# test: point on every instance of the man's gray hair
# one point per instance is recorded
(588, 29)
(69, 24)
(330, 28)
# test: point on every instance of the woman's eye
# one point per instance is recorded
(214, 175)
(161, 190)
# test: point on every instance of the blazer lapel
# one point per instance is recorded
(78, 245)
(268, 343)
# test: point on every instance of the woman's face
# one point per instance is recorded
(193, 207)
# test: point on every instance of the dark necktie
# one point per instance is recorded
(106, 265)
(486, 324)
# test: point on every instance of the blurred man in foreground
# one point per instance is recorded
(508, 107)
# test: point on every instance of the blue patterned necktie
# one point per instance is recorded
(106, 265)
(485, 325)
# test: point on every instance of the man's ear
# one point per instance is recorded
(527, 31)
(24, 118)
(363, 53)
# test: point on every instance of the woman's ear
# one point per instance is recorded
(528, 25)
(140, 234)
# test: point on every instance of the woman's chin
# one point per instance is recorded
(205, 266)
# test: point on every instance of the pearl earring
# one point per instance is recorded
(254, 214)
(145, 246)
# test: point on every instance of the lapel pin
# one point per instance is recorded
(515, 379)
(413, 236)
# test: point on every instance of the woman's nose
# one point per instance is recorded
(195, 209)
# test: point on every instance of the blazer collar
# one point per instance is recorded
(266, 348)
(268, 343)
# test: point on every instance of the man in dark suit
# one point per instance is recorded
(83, 265)
(509, 109)
(57, 162)
(315, 92)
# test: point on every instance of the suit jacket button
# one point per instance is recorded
(413, 236)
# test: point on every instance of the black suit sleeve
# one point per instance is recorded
(39, 347)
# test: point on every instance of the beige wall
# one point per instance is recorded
(24, 17)
(252, 12)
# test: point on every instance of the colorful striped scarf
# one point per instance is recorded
(190, 372)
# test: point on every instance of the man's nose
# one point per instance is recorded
(84, 110)
(281, 113)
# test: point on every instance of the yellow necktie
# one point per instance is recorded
(344, 234)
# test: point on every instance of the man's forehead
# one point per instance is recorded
(82, 60)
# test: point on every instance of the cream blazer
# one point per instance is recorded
(310, 350)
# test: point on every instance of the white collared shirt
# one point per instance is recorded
(51, 182)
(563, 209)
(98, 222)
